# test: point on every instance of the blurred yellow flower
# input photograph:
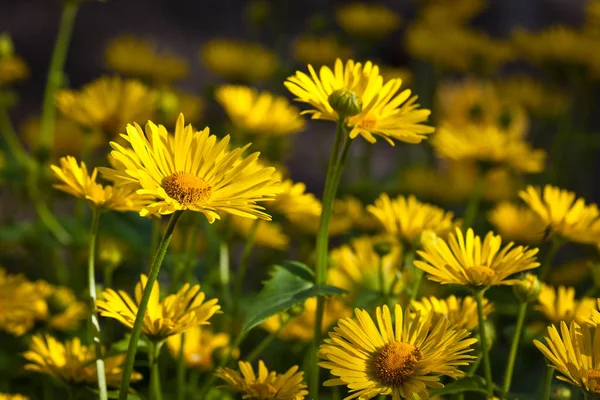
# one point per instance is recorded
(259, 113)
(295, 200)
(12, 69)
(6, 396)
(355, 210)
(239, 61)
(137, 57)
(559, 304)
(72, 362)
(573, 272)
(268, 233)
(191, 170)
(308, 222)
(592, 17)
(388, 73)
(66, 311)
(469, 261)
(76, 181)
(171, 103)
(461, 312)
(517, 223)
(175, 314)
(199, 346)
(402, 358)
(564, 214)
(594, 319)
(265, 385)
(367, 20)
(21, 304)
(318, 50)
(408, 218)
(385, 111)
(449, 13)
(108, 104)
(538, 98)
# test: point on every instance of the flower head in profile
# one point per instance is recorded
(370, 106)
(466, 259)
(191, 170)
(564, 214)
(319, 50)
(265, 385)
(259, 113)
(408, 218)
(267, 234)
(72, 362)
(461, 312)
(517, 223)
(401, 357)
(175, 314)
(21, 304)
(559, 304)
(199, 347)
(367, 20)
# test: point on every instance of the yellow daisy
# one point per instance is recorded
(408, 218)
(171, 103)
(384, 111)
(559, 304)
(294, 199)
(400, 358)
(191, 171)
(6, 396)
(565, 214)
(268, 233)
(21, 304)
(72, 362)
(67, 312)
(259, 113)
(176, 313)
(594, 319)
(199, 346)
(467, 260)
(318, 50)
(12, 69)
(461, 312)
(108, 104)
(573, 352)
(355, 210)
(517, 223)
(267, 385)
(538, 98)
(367, 20)
(76, 181)
(450, 13)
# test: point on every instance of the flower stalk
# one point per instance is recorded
(241, 273)
(181, 386)
(153, 356)
(512, 355)
(554, 247)
(485, 351)
(474, 202)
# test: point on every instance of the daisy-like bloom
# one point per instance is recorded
(171, 103)
(573, 352)
(176, 313)
(76, 181)
(108, 104)
(563, 213)
(72, 362)
(229, 59)
(12, 69)
(450, 13)
(400, 358)
(536, 97)
(265, 385)
(355, 210)
(408, 218)
(319, 50)
(467, 260)
(66, 312)
(367, 20)
(384, 110)
(199, 346)
(21, 304)
(594, 319)
(358, 265)
(6, 396)
(559, 304)
(461, 312)
(259, 113)
(294, 199)
(517, 223)
(268, 234)
(191, 170)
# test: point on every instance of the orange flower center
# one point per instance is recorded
(396, 363)
(186, 188)
(593, 380)
(480, 275)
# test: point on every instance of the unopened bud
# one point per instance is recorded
(561, 393)
(295, 310)
(382, 248)
(167, 102)
(6, 45)
(528, 289)
(345, 102)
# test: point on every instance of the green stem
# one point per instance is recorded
(155, 392)
(139, 318)
(545, 268)
(487, 367)
(224, 274)
(11, 138)
(181, 387)
(94, 325)
(154, 236)
(55, 75)
(512, 355)
(417, 286)
(224, 362)
(548, 383)
(265, 343)
(381, 275)
(474, 201)
(241, 273)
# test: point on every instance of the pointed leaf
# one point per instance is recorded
(468, 384)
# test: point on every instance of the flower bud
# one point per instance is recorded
(345, 102)
(167, 102)
(528, 289)
(561, 393)
(382, 248)
(490, 333)
(6, 45)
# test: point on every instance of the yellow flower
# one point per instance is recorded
(242, 61)
(72, 362)
(490, 144)
(355, 210)
(12, 69)
(388, 73)
(450, 13)
(594, 319)
(191, 171)
(76, 181)
(199, 346)
(400, 358)
(563, 213)
(259, 113)
(318, 50)
(536, 97)
(300, 324)
(517, 223)
(266, 385)
(386, 112)
(367, 20)
(295, 200)
(308, 222)
(67, 312)
(171, 103)
(592, 17)
(6, 396)
(21, 304)
(408, 218)
(268, 233)
(466, 260)
(574, 354)
(461, 312)
(133, 56)
(573, 272)
(108, 104)
(176, 313)
(559, 304)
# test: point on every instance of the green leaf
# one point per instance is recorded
(283, 290)
(468, 384)
(114, 394)
(300, 270)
